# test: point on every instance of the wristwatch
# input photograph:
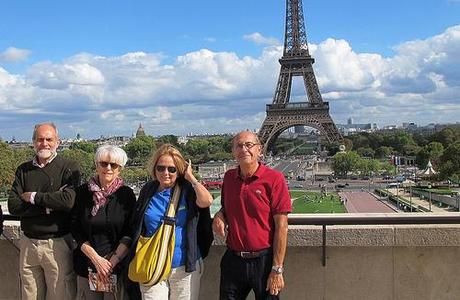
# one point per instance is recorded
(278, 269)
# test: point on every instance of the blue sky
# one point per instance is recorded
(101, 67)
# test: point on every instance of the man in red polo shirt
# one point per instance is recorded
(255, 204)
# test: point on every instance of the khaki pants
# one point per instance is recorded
(46, 269)
(179, 286)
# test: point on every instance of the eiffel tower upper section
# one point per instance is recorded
(296, 61)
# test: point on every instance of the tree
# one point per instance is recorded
(85, 146)
(383, 152)
(348, 144)
(360, 140)
(11, 159)
(447, 136)
(344, 162)
(167, 139)
(140, 149)
(398, 140)
(367, 166)
(388, 168)
(366, 152)
(7, 167)
(332, 148)
(432, 152)
(85, 161)
(134, 175)
(449, 165)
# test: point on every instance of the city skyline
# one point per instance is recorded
(101, 68)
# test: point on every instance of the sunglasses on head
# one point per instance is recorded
(105, 164)
(161, 169)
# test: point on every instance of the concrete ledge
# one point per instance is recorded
(363, 262)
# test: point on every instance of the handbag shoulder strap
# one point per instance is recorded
(173, 202)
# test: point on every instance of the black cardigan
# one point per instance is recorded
(199, 223)
(54, 184)
(106, 230)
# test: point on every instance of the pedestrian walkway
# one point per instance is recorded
(363, 202)
(415, 201)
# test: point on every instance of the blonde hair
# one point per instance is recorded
(167, 149)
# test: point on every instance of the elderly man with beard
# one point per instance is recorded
(42, 196)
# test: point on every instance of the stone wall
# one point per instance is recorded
(363, 262)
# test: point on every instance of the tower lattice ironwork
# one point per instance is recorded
(296, 61)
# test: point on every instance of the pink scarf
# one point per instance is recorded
(100, 196)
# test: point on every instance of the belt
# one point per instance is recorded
(251, 254)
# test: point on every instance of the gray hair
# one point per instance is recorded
(34, 135)
(116, 154)
(255, 136)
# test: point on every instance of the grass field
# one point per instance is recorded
(311, 202)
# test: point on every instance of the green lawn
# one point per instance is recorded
(312, 202)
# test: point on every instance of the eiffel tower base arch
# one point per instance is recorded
(297, 114)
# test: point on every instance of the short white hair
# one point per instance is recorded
(116, 154)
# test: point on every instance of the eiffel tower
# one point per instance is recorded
(296, 61)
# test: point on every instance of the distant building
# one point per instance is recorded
(299, 129)
(140, 131)
(215, 170)
(351, 127)
(182, 140)
(119, 141)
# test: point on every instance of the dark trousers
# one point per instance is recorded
(238, 276)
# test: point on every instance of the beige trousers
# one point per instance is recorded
(46, 269)
(179, 286)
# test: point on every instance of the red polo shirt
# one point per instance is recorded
(250, 205)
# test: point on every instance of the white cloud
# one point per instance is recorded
(207, 91)
(12, 55)
(259, 39)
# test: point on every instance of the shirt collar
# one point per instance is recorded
(37, 164)
(260, 170)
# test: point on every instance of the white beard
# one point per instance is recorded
(44, 154)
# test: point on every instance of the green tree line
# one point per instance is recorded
(139, 150)
(441, 148)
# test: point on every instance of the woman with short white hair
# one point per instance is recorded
(101, 227)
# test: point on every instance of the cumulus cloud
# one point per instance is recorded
(259, 39)
(12, 55)
(208, 91)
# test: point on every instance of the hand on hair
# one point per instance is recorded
(189, 173)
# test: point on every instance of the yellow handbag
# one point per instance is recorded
(153, 258)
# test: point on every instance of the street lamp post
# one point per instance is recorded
(458, 201)
(410, 197)
(429, 191)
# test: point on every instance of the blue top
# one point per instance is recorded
(154, 215)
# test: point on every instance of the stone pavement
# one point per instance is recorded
(364, 202)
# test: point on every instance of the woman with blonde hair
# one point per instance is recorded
(101, 226)
(193, 233)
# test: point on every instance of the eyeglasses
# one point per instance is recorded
(248, 145)
(104, 164)
(161, 169)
